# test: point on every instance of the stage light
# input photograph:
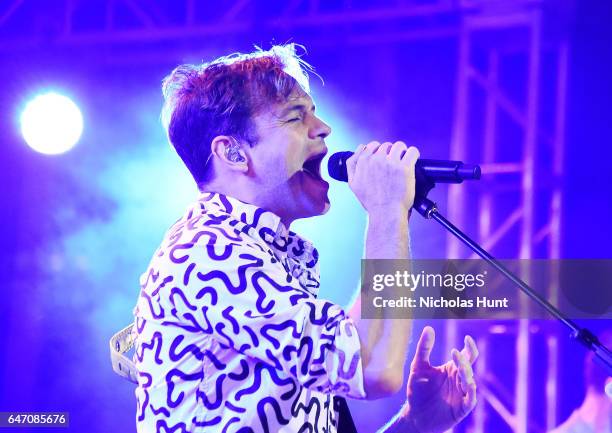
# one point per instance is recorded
(51, 123)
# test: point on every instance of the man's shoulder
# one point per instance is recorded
(205, 227)
(206, 236)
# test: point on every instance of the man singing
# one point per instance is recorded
(230, 333)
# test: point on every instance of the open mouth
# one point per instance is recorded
(313, 165)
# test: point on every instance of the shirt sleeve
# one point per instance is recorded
(243, 297)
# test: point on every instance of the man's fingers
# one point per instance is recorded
(465, 383)
(372, 147)
(398, 149)
(351, 163)
(457, 361)
(385, 148)
(411, 155)
(470, 351)
(410, 158)
(465, 373)
(469, 400)
(424, 346)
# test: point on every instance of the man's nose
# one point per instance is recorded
(320, 129)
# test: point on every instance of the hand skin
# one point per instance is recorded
(381, 175)
(437, 398)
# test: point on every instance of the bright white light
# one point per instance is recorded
(51, 124)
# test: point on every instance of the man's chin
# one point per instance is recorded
(322, 206)
(316, 209)
(326, 207)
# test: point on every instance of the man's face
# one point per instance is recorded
(287, 158)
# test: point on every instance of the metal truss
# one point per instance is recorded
(80, 23)
(489, 32)
(495, 113)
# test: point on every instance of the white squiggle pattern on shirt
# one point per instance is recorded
(231, 335)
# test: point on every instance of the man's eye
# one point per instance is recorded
(294, 119)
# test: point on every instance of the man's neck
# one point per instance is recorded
(246, 195)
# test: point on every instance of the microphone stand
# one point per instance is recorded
(429, 210)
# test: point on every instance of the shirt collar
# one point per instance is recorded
(265, 224)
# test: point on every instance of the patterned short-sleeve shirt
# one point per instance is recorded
(231, 336)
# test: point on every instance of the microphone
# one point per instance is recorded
(434, 170)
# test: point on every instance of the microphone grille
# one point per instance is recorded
(336, 166)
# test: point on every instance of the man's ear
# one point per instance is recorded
(230, 153)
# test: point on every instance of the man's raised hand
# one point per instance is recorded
(439, 397)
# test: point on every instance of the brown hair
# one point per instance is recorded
(221, 98)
